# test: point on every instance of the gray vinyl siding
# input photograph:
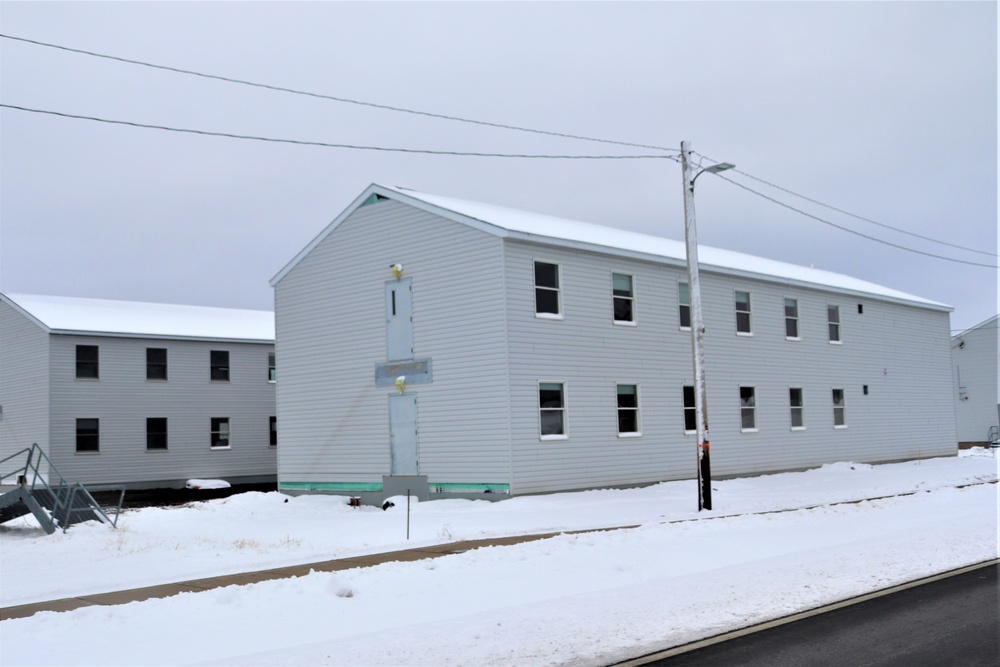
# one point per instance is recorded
(330, 317)
(122, 398)
(24, 396)
(976, 393)
(899, 351)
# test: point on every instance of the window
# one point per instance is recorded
(796, 407)
(748, 409)
(743, 322)
(156, 363)
(861, 309)
(552, 410)
(219, 360)
(272, 374)
(220, 432)
(624, 298)
(690, 415)
(628, 409)
(87, 361)
(156, 433)
(274, 432)
(684, 305)
(833, 321)
(88, 435)
(546, 289)
(839, 409)
(792, 319)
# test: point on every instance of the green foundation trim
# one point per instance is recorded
(330, 486)
(459, 487)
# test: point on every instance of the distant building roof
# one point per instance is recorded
(62, 315)
(990, 322)
(539, 228)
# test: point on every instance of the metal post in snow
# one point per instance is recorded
(407, 514)
(697, 332)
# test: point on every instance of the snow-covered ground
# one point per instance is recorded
(582, 599)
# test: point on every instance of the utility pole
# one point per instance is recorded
(697, 324)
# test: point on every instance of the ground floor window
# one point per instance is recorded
(690, 415)
(796, 406)
(274, 432)
(552, 409)
(88, 435)
(156, 433)
(628, 409)
(839, 409)
(748, 409)
(220, 432)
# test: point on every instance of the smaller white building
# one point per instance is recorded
(974, 355)
(142, 394)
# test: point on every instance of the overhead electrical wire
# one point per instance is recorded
(853, 215)
(475, 154)
(851, 231)
(323, 144)
(334, 98)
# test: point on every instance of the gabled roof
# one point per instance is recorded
(132, 319)
(987, 323)
(550, 230)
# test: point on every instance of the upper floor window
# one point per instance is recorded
(684, 305)
(628, 409)
(744, 325)
(839, 409)
(624, 298)
(220, 432)
(547, 295)
(690, 414)
(156, 433)
(272, 374)
(156, 363)
(833, 322)
(219, 361)
(552, 409)
(748, 409)
(795, 405)
(87, 361)
(792, 319)
(88, 435)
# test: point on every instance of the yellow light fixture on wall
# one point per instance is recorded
(397, 270)
(401, 383)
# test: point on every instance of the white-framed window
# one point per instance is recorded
(796, 407)
(272, 373)
(88, 435)
(833, 323)
(87, 362)
(219, 365)
(684, 305)
(839, 409)
(548, 297)
(156, 433)
(220, 433)
(156, 363)
(623, 296)
(792, 319)
(748, 409)
(628, 410)
(744, 323)
(690, 413)
(552, 410)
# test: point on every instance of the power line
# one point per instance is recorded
(858, 217)
(331, 145)
(335, 98)
(851, 231)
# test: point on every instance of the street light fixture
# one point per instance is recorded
(697, 323)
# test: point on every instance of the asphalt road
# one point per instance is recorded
(951, 622)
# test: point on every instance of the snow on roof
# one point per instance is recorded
(549, 229)
(61, 314)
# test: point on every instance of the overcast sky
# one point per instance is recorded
(887, 111)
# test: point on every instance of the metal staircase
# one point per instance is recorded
(56, 504)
